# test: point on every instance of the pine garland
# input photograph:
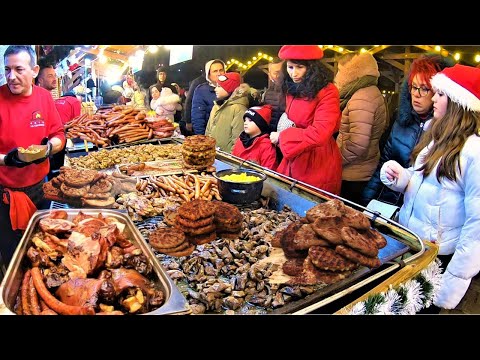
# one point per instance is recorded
(409, 298)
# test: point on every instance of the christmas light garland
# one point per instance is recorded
(409, 298)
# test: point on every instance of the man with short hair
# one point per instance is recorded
(47, 78)
(27, 116)
(204, 94)
(274, 95)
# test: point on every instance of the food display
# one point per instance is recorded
(104, 158)
(120, 124)
(160, 167)
(198, 151)
(86, 263)
(32, 153)
(87, 188)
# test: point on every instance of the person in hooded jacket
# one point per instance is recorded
(310, 153)
(364, 116)
(254, 142)
(413, 117)
(204, 95)
(226, 118)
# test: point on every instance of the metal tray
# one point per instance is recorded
(175, 303)
(159, 167)
(282, 190)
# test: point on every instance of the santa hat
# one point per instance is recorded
(461, 84)
(300, 52)
(229, 81)
(261, 116)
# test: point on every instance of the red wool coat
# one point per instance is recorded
(310, 153)
(262, 151)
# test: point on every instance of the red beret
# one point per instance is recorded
(300, 52)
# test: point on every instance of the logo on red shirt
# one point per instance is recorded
(37, 120)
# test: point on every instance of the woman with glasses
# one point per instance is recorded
(413, 117)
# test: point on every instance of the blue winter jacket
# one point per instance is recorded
(202, 105)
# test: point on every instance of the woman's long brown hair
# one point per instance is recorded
(449, 135)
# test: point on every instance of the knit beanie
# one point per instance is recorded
(261, 116)
(229, 81)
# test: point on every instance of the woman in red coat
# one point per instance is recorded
(310, 153)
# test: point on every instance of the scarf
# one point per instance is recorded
(246, 140)
(21, 208)
(351, 88)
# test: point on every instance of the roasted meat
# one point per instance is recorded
(359, 241)
(356, 257)
(327, 259)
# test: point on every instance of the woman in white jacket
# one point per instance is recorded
(442, 188)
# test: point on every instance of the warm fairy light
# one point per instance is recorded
(438, 48)
(456, 56)
(362, 50)
(249, 62)
(477, 58)
(320, 46)
(233, 60)
(270, 58)
(152, 49)
(228, 62)
(254, 58)
(260, 54)
(340, 49)
(383, 91)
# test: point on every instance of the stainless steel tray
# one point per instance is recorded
(175, 303)
(282, 190)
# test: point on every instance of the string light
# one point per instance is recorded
(477, 58)
(250, 63)
(456, 56)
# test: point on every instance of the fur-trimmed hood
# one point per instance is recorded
(360, 65)
(207, 69)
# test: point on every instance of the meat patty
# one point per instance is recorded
(197, 231)
(306, 237)
(355, 219)
(99, 203)
(375, 236)
(328, 229)
(51, 192)
(231, 235)
(196, 209)
(74, 192)
(79, 178)
(192, 160)
(293, 267)
(311, 275)
(101, 186)
(193, 224)
(199, 143)
(357, 257)
(185, 252)
(327, 259)
(359, 241)
(164, 237)
(170, 217)
(328, 209)
(201, 239)
(286, 241)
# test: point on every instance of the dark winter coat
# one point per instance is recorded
(275, 97)
(202, 105)
(187, 114)
(405, 134)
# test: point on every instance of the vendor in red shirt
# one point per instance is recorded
(27, 116)
(310, 153)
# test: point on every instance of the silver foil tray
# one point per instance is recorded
(175, 303)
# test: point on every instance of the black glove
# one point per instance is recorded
(11, 159)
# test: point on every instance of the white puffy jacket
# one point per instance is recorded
(447, 213)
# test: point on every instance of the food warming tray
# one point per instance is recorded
(175, 303)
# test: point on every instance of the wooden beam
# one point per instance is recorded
(431, 48)
(400, 56)
(329, 67)
(378, 48)
(107, 53)
(395, 63)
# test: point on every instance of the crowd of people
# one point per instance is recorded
(312, 127)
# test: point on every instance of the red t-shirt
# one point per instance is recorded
(68, 107)
(26, 120)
